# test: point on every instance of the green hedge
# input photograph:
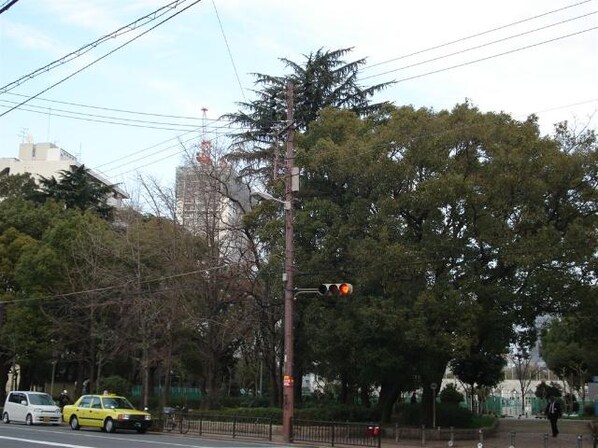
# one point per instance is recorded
(446, 415)
(336, 413)
(339, 413)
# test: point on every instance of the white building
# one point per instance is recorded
(211, 201)
(47, 160)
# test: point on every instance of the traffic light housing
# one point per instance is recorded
(335, 289)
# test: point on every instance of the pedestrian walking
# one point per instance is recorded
(553, 413)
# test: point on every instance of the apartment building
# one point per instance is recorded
(47, 160)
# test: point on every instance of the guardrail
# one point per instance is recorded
(359, 434)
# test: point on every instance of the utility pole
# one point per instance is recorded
(288, 403)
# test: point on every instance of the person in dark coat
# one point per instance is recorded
(553, 413)
(85, 389)
(64, 399)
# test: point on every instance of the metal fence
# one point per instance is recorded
(337, 433)
(223, 425)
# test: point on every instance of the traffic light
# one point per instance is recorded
(335, 289)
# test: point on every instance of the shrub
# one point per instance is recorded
(274, 413)
(450, 394)
(339, 413)
(589, 410)
(115, 385)
(544, 390)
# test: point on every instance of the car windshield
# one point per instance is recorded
(116, 403)
(41, 399)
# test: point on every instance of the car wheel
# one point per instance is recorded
(74, 423)
(5, 418)
(29, 420)
(109, 425)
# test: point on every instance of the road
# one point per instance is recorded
(21, 436)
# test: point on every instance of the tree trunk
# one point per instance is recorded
(432, 375)
(145, 375)
(4, 369)
(389, 393)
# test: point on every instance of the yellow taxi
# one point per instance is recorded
(108, 412)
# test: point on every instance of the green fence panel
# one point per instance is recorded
(190, 393)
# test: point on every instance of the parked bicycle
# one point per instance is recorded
(175, 419)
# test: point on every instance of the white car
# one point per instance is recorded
(30, 408)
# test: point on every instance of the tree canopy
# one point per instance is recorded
(323, 79)
(457, 228)
(454, 223)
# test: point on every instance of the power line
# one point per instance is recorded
(155, 146)
(124, 285)
(180, 151)
(88, 47)
(110, 109)
(428, 251)
(477, 47)
(110, 119)
(481, 59)
(475, 35)
(105, 119)
(232, 60)
(160, 152)
(100, 58)
(7, 5)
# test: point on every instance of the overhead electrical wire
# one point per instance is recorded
(145, 149)
(477, 47)
(426, 252)
(230, 54)
(7, 5)
(160, 152)
(110, 109)
(180, 151)
(123, 285)
(526, 47)
(446, 44)
(103, 119)
(100, 58)
(110, 119)
(90, 46)
(380, 74)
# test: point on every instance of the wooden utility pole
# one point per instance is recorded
(288, 404)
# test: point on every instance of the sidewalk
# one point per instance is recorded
(517, 433)
(503, 440)
(510, 433)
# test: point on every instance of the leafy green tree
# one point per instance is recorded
(569, 350)
(545, 391)
(446, 215)
(78, 189)
(450, 394)
(19, 185)
(323, 79)
(479, 369)
(29, 270)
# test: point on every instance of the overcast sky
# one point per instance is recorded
(204, 57)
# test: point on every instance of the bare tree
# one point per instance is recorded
(525, 370)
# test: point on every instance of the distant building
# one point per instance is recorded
(210, 202)
(47, 160)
